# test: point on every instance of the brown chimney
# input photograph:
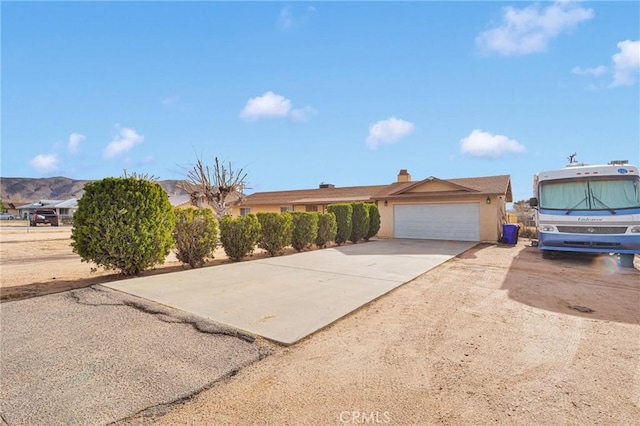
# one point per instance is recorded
(404, 176)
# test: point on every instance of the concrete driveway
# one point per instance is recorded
(287, 298)
(97, 356)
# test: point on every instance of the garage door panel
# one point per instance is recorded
(460, 222)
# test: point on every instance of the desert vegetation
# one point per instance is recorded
(123, 224)
(127, 224)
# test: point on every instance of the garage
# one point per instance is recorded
(446, 221)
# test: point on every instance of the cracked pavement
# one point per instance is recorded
(98, 356)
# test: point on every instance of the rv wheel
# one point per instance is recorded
(626, 260)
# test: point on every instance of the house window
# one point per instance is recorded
(244, 211)
(286, 209)
(311, 208)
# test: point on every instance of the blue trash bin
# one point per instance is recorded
(510, 233)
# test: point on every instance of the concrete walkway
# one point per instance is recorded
(287, 298)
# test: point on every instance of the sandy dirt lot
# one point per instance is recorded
(41, 261)
(497, 335)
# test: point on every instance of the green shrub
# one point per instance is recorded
(123, 224)
(374, 221)
(196, 235)
(359, 222)
(343, 212)
(305, 229)
(327, 229)
(276, 232)
(239, 236)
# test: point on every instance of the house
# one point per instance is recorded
(64, 208)
(464, 209)
(12, 208)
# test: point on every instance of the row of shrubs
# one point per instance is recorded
(128, 224)
(196, 231)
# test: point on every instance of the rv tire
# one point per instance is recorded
(626, 260)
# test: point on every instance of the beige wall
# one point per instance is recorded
(235, 211)
(433, 186)
(490, 214)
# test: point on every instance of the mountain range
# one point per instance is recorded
(19, 190)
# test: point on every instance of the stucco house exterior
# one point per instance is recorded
(64, 208)
(464, 209)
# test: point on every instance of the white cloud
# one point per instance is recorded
(287, 19)
(303, 114)
(626, 63)
(484, 144)
(596, 72)
(268, 105)
(529, 30)
(74, 142)
(45, 163)
(123, 142)
(388, 131)
(272, 105)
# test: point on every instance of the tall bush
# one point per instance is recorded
(305, 229)
(327, 229)
(276, 231)
(343, 212)
(196, 235)
(239, 236)
(359, 222)
(374, 221)
(123, 224)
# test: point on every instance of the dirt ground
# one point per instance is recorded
(497, 335)
(41, 261)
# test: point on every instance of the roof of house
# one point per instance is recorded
(71, 203)
(488, 185)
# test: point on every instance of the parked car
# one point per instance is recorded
(44, 216)
(7, 216)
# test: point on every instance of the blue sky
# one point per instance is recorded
(300, 93)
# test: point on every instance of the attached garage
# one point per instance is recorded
(437, 221)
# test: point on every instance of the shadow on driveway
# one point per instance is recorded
(578, 284)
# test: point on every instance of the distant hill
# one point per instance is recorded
(56, 188)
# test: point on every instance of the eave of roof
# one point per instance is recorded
(432, 179)
(488, 185)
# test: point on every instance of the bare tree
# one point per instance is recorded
(213, 189)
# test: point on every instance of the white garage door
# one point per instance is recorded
(459, 222)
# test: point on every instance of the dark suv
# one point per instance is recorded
(44, 216)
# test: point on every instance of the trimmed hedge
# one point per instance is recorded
(327, 229)
(359, 222)
(196, 235)
(305, 229)
(123, 224)
(374, 221)
(239, 236)
(343, 213)
(276, 232)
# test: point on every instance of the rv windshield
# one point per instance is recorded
(595, 193)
